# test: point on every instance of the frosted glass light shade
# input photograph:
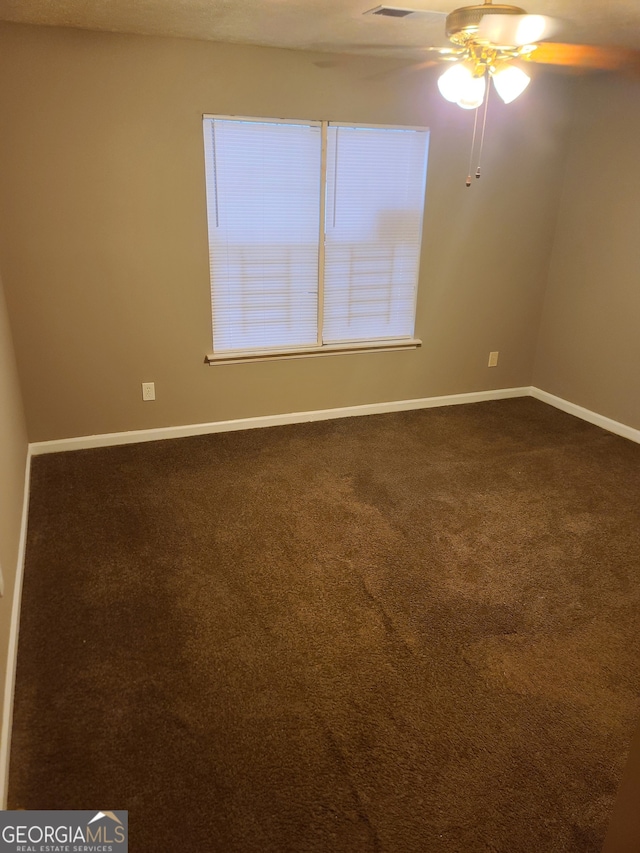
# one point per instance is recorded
(459, 86)
(453, 81)
(473, 93)
(510, 82)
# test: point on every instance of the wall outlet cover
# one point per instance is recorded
(148, 390)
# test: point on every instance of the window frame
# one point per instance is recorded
(319, 349)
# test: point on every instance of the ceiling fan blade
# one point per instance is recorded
(369, 48)
(349, 52)
(586, 56)
(420, 66)
(403, 71)
(516, 30)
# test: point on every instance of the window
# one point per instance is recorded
(314, 235)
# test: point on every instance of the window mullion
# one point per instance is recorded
(321, 236)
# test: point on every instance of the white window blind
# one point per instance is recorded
(263, 203)
(314, 235)
(374, 201)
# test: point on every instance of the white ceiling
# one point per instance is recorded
(326, 25)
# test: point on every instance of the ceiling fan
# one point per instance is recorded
(492, 41)
(495, 42)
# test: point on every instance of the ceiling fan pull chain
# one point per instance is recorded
(473, 145)
(484, 124)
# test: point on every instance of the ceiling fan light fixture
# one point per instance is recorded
(473, 94)
(510, 82)
(452, 83)
(461, 86)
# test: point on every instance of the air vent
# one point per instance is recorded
(390, 12)
(399, 12)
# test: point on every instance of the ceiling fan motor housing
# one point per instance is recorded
(462, 24)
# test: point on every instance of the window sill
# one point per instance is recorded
(313, 352)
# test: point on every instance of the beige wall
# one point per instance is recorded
(103, 233)
(589, 348)
(13, 455)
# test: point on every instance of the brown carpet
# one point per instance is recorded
(407, 632)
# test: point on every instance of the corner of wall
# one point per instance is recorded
(14, 496)
(8, 665)
(560, 198)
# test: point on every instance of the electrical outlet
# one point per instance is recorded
(493, 359)
(148, 390)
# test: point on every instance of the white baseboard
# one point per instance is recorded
(113, 438)
(587, 415)
(12, 655)
(85, 442)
